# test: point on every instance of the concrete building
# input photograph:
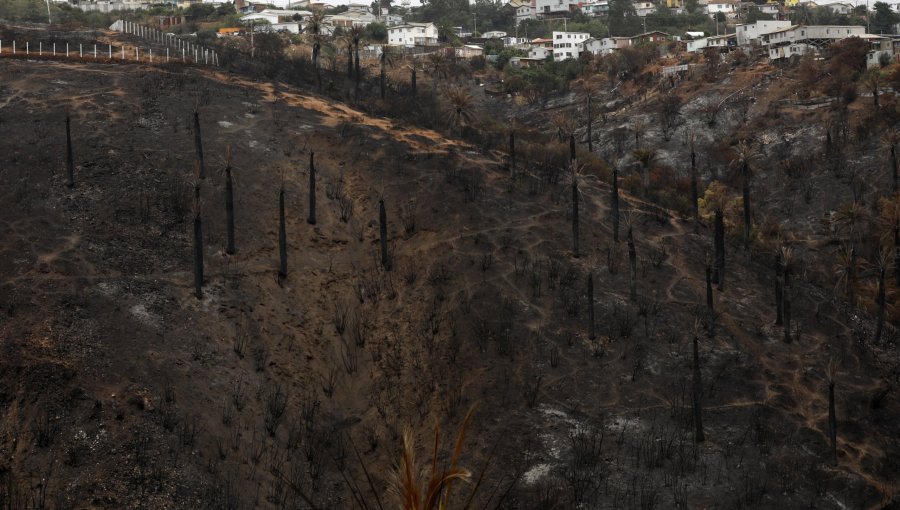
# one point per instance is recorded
(750, 33)
(568, 45)
(413, 34)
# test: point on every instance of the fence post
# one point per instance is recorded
(167, 53)
(110, 51)
(95, 52)
(27, 51)
(137, 54)
(182, 54)
(54, 49)
(151, 54)
(80, 51)
(67, 50)
(14, 46)
(41, 48)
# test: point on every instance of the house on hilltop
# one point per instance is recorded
(413, 34)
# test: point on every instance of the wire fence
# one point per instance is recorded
(147, 45)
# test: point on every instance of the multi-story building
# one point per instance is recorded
(568, 45)
(750, 33)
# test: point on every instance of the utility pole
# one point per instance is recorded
(50, 21)
(475, 23)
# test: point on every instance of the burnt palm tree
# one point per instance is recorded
(460, 108)
(890, 224)
(590, 292)
(589, 89)
(347, 40)
(198, 144)
(314, 28)
(575, 239)
(412, 78)
(846, 269)
(387, 59)
(695, 192)
(647, 158)
(632, 263)
(356, 34)
(709, 280)
(615, 201)
(229, 203)
(70, 161)
(787, 263)
(890, 141)
(440, 69)
(745, 153)
(382, 223)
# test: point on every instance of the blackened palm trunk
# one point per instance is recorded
(719, 273)
(590, 289)
(350, 60)
(198, 145)
(382, 220)
(70, 160)
(512, 153)
(317, 47)
(412, 81)
(745, 193)
(589, 136)
(282, 238)
(382, 81)
(894, 172)
(897, 255)
(632, 265)
(786, 307)
(779, 313)
(615, 204)
(312, 190)
(198, 256)
(358, 72)
(572, 154)
(575, 244)
(832, 423)
(698, 394)
(880, 301)
(709, 291)
(695, 206)
(229, 210)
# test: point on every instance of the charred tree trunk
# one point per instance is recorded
(786, 306)
(880, 301)
(198, 255)
(572, 154)
(719, 274)
(229, 207)
(198, 145)
(709, 289)
(832, 423)
(897, 255)
(382, 219)
(698, 394)
(70, 160)
(590, 289)
(575, 246)
(779, 317)
(282, 238)
(632, 265)
(317, 48)
(615, 204)
(695, 196)
(382, 81)
(412, 81)
(745, 193)
(590, 137)
(350, 61)
(512, 153)
(894, 172)
(312, 189)
(357, 70)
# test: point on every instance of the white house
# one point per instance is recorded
(524, 12)
(840, 8)
(552, 8)
(726, 7)
(771, 9)
(715, 41)
(749, 34)
(644, 8)
(514, 42)
(274, 16)
(568, 45)
(540, 52)
(595, 8)
(413, 34)
(494, 34)
(606, 45)
(799, 39)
